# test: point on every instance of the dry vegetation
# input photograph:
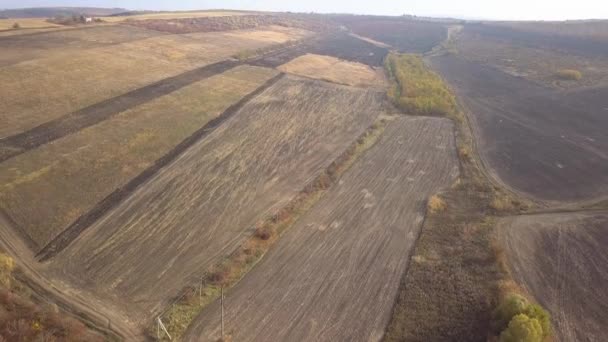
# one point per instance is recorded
(333, 70)
(173, 15)
(36, 91)
(24, 318)
(61, 181)
(25, 23)
(568, 75)
(240, 22)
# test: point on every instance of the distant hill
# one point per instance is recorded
(47, 12)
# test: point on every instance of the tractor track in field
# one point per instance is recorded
(62, 240)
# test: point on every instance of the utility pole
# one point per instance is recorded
(222, 311)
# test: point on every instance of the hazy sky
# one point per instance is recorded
(486, 9)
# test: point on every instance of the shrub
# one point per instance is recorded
(16, 26)
(501, 203)
(519, 320)
(264, 233)
(522, 329)
(569, 75)
(436, 204)
(7, 265)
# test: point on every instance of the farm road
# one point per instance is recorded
(200, 207)
(335, 274)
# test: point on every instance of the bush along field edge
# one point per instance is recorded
(193, 299)
(458, 285)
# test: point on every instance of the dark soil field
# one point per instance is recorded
(546, 143)
(335, 274)
(213, 194)
(562, 260)
(580, 45)
(405, 35)
(341, 45)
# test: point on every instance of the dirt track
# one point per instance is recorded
(201, 206)
(562, 260)
(334, 275)
(549, 144)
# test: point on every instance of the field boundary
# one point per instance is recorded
(62, 240)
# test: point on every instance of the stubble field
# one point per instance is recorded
(39, 90)
(213, 194)
(48, 188)
(334, 275)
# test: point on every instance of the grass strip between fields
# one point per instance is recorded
(228, 272)
(458, 279)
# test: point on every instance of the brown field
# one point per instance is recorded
(63, 180)
(333, 70)
(562, 260)
(174, 15)
(334, 275)
(213, 194)
(37, 91)
(34, 45)
(545, 143)
(25, 23)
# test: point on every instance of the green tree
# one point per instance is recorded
(522, 329)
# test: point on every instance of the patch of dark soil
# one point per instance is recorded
(60, 127)
(340, 45)
(570, 44)
(540, 141)
(67, 236)
(405, 35)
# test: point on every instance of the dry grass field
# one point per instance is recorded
(173, 15)
(65, 42)
(37, 91)
(46, 189)
(25, 23)
(334, 275)
(334, 70)
(213, 194)
(562, 260)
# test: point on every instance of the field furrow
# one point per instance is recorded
(335, 274)
(199, 208)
